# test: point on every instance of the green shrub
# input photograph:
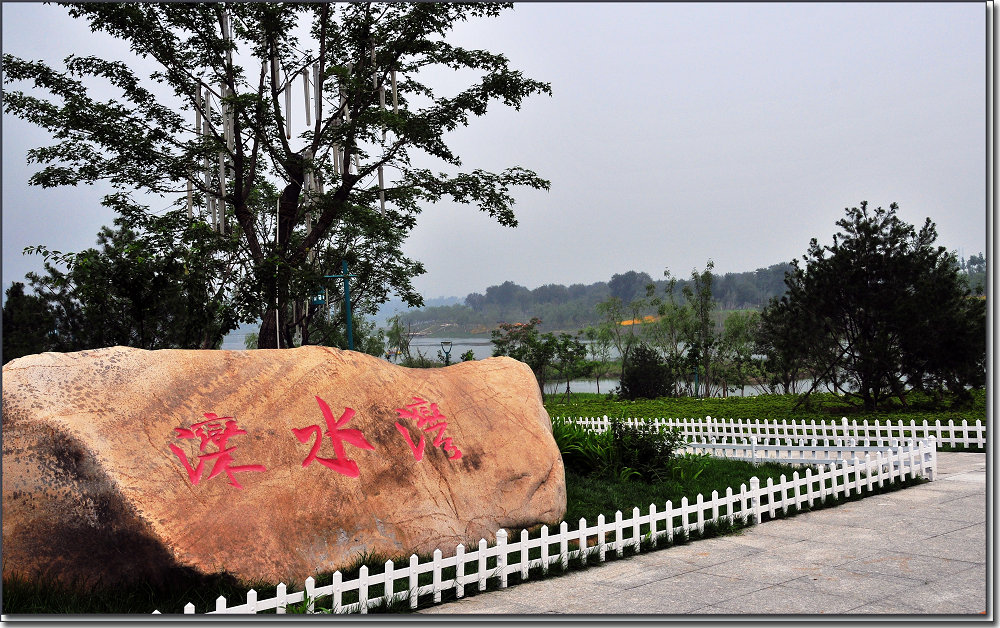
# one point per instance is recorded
(644, 449)
(645, 376)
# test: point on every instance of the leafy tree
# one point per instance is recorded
(139, 289)
(522, 341)
(700, 337)
(629, 286)
(888, 311)
(619, 322)
(398, 339)
(668, 333)
(599, 348)
(784, 339)
(210, 134)
(28, 324)
(569, 357)
(736, 347)
(975, 273)
(327, 331)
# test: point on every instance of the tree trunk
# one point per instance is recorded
(267, 338)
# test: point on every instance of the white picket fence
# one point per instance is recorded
(806, 452)
(876, 433)
(471, 569)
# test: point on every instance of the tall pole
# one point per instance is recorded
(347, 302)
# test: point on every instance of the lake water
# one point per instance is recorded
(481, 348)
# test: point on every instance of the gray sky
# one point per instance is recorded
(676, 133)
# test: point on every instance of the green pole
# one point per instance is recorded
(347, 302)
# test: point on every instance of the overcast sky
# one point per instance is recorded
(676, 133)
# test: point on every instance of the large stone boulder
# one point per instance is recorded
(122, 464)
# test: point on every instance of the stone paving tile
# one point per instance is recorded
(831, 553)
(689, 591)
(862, 586)
(967, 544)
(888, 519)
(781, 599)
(813, 530)
(971, 509)
(635, 571)
(907, 565)
(709, 552)
(753, 537)
(962, 593)
(479, 606)
(766, 568)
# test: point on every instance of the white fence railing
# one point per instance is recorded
(475, 568)
(809, 451)
(875, 433)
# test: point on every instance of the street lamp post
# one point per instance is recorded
(446, 347)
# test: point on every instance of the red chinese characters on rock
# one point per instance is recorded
(213, 431)
(338, 435)
(428, 419)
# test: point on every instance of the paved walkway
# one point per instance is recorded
(921, 550)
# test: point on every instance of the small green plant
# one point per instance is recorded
(689, 467)
(302, 608)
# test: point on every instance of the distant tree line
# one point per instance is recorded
(573, 307)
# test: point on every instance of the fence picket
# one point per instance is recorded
(460, 571)
(338, 591)
(389, 582)
(363, 588)
(545, 550)
(413, 590)
(481, 571)
(524, 555)
(652, 524)
(279, 598)
(600, 538)
(619, 542)
(564, 546)
(636, 539)
(436, 576)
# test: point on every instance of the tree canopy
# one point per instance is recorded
(212, 134)
(884, 310)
